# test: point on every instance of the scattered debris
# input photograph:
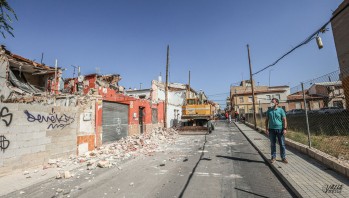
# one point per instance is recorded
(132, 184)
(52, 161)
(67, 175)
(58, 176)
(59, 190)
(103, 164)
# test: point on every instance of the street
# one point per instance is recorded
(222, 164)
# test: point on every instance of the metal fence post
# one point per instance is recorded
(306, 115)
(260, 113)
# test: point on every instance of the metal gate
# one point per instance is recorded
(114, 121)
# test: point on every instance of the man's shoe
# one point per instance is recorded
(284, 161)
(272, 160)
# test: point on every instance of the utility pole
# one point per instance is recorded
(252, 87)
(166, 86)
(188, 94)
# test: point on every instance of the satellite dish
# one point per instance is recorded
(80, 78)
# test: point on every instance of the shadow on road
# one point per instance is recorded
(196, 165)
(250, 192)
(240, 159)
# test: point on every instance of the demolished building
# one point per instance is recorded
(23, 80)
(43, 117)
(117, 115)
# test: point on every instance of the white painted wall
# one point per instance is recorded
(4, 90)
(176, 100)
(87, 119)
(137, 93)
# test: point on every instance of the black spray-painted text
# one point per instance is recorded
(54, 120)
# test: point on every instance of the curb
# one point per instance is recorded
(316, 154)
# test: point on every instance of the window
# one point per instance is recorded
(268, 97)
(250, 99)
(277, 96)
(191, 101)
(241, 99)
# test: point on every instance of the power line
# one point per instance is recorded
(219, 94)
(307, 40)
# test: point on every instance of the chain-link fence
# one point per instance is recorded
(323, 122)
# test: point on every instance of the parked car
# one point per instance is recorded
(295, 111)
(328, 110)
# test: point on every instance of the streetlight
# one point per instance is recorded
(269, 76)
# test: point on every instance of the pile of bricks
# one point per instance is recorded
(110, 155)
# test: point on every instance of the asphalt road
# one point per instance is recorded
(222, 164)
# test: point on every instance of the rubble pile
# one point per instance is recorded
(131, 146)
(110, 155)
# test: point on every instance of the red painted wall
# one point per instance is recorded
(111, 95)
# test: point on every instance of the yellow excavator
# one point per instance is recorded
(197, 116)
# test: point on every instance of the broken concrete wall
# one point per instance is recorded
(4, 90)
(30, 135)
(86, 139)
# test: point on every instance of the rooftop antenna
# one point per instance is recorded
(98, 70)
(42, 57)
(75, 67)
(160, 78)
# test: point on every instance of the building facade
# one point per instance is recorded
(340, 29)
(242, 102)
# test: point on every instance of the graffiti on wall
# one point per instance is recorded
(6, 116)
(118, 126)
(53, 119)
(4, 143)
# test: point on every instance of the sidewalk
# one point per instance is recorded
(17, 180)
(304, 175)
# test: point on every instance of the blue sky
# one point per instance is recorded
(208, 37)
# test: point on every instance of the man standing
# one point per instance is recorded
(276, 126)
(236, 116)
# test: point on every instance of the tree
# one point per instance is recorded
(5, 18)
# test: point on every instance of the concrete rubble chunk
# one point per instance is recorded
(59, 190)
(103, 164)
(25, 172)
(58, 175)
(52, 161)
(66, 192)
(67, 175)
